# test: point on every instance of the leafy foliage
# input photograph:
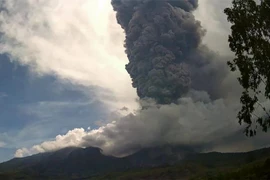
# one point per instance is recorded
(250, 41)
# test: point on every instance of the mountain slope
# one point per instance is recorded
(85, 162)
(169, 161)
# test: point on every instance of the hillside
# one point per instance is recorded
(90, 161)
(152, 163)
(252, 165)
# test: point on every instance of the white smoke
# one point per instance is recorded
(80, 41)
(77, 41)
(195, 121)
(72, 138)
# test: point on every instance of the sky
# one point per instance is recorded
(49, 79)
(35, 109)
(64, 83)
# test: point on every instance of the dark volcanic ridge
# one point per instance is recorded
(90, 162)
(91, 159)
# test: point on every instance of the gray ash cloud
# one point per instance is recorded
(163, 45)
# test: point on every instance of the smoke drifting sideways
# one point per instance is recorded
(180, 81)
(163, 45)
(196, 122)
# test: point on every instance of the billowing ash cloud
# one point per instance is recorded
(197, 100)
(196, 122)
(163, 45)
(187, 123)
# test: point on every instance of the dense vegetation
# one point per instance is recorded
(250, 41)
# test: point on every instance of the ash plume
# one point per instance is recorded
(163, 45)
(196, 98)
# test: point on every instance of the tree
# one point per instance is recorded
(250, 41)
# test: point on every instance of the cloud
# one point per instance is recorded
(66, 41)
(78, 41)
(2, 144)
(38, 108)
(49, 118)
(48, 109)
(195, 121)
(210, 14)
(72, 138)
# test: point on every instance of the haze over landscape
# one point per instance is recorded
(119, 75)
